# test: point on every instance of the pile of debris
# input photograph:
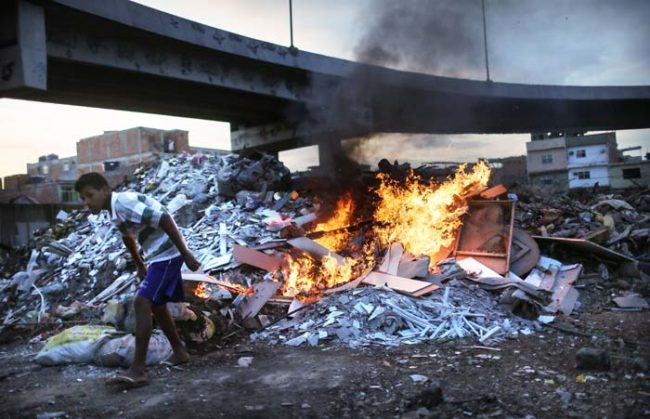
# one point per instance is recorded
(82, 258)
(251, 233)
(364, 316)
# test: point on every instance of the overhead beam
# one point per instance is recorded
(23, 55)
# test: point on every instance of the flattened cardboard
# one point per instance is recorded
(256, 258)
(407, 286)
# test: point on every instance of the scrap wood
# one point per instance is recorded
(392, 259)
(493, 192)
(411, 287)
(586, 246)
(117, 286)
(256, 258)
(319, 251)
(253, 303)
(564, 295)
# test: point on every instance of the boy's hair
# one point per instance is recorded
(92, 179)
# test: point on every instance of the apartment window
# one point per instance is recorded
(634, 173)
(68, 194)
(66, 167)
(547, 159)
(44, 169)
(582, 175)
(581, 153)
(547, 181)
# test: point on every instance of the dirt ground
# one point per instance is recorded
(532, 376)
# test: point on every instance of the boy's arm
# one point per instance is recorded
(129, 242)
(168, 226)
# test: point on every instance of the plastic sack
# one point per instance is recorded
(197, 330)
(75, 345)
(119, 352)
(181, 311)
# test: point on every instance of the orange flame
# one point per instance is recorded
(423, 218)
(202, 291)
(336, 240)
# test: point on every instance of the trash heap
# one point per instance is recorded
(381, 316)
(242, 220)
(82, 257)
(618, 221)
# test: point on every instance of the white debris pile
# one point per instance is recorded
(83, 255)
(365, 316)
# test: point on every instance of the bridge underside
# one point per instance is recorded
(126, 56)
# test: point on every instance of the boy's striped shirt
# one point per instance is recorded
(138, 215)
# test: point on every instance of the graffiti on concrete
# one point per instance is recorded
(8, 70)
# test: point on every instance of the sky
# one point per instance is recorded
(561, 42)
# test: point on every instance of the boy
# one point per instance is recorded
(164, 249)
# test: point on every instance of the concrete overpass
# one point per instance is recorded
(122, 55)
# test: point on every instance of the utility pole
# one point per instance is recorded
(487, 64)
(291, 22)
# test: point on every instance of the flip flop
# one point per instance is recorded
(168, 363)
(126, 381)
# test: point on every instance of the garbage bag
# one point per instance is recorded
(119, 352)
(75, 345)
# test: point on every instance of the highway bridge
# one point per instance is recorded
(123, 55)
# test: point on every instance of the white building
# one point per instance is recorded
(588, 159)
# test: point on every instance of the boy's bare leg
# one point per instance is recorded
(166, 323)
(143, 325)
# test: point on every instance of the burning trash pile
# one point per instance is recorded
(412, 260)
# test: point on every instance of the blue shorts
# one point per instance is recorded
(163, 282)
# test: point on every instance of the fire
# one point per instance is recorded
(337, 239)
(202, 291)
(305, 276)
(422, 217)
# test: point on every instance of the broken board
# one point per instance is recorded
(390, 265)
(582, 245)
(256, 258)
(313, 248)
(253, 303)
(411, 287)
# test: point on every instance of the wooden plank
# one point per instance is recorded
(411, 287)
(582, 246)
(256, 258)
(564, 295)
(390, 265)
(493, 192)
(471, 265)
(309, 246)
(253, 303)
(198, 277)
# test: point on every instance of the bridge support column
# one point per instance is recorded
(23, 56)
(273, 138)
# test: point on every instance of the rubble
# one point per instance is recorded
(246, 226)
(365, 316)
